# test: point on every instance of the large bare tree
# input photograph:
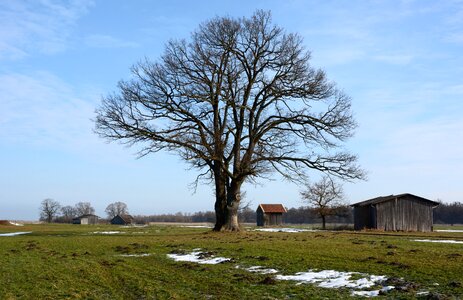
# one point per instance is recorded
(84, 208)
(49, 209)
(326, 197)
(116, 208)
(236, 101)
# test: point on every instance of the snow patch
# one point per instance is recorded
(335, 279)
(422, 293)
(136, 255)
(325, 278)
(16, 224)
(370, 294)
(449, 230)
(440, 241)
(106, 232)
(198, 257)
(15, 233)
(261, 270)
(289, 230)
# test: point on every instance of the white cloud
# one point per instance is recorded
(337, 56)
(107, 41)
(396, 59)
(40, 109)
(37, 26)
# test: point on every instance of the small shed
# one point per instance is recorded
(270, 214)
(122, 220)
(88, 219)
(404, 212)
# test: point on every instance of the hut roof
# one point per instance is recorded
(85, 216)
(381, 199)
(272, 208)
(126, 218)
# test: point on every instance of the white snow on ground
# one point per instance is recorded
(374, 293)
(336, 279)
(14, 233)
(261, 270)
(16, 224)
(106, 232)
(195, 256)
(290, 230)
(440, 241)
(324, 278)
(449, 230)
(422, 293)
(135, 255)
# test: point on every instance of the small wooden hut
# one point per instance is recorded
(122, 220)
(270, 214)
(404, 212)
(88, 219)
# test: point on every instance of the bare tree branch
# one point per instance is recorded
(237, 102)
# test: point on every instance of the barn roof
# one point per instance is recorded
(272, 208)
(392, 197)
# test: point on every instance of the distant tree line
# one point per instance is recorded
(445, 213)
(449, 213)
(52, 211)
(301, 215)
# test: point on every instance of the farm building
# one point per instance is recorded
(122, 220)
(88, 219)
(270, 214)
(404, 212)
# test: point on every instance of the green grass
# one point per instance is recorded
(71, 262)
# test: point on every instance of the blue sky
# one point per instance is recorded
(400, 61)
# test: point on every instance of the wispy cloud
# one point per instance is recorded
(107, 41)
(396, 59)
(40, 109)
(37, 26)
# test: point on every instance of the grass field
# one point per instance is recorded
(81, 262)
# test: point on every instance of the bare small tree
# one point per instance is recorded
(236, 102)
(325, 196)
(84, 208)
(49, 209)
(116, 208)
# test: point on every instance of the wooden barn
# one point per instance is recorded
(86, 220)
(122, 220)
(404, 212)
(270, 214)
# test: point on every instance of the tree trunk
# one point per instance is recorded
(220, 200)
(323, 222)
(233, 203)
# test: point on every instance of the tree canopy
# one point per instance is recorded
(326, 197)
(238, 101)
(116, 208)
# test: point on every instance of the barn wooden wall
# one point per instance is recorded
(266, 219)
(274, 219)
(362, 217)
(405, 214)
(260, 217)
